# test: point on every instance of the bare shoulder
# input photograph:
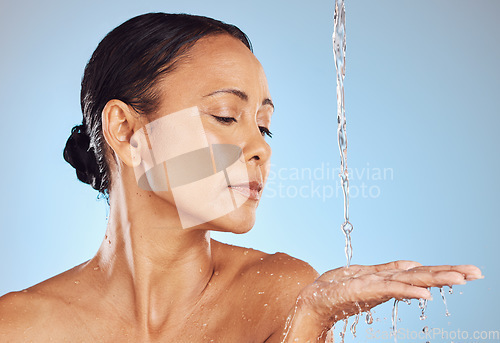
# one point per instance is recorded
(38, 309)
(269, 284)
(278, 274)
(286, 268)
(22, 315)
(295, 269)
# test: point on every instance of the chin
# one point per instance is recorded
(238, 221)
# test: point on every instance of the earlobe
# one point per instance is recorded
(117, 126)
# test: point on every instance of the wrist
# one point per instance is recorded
(305, 325)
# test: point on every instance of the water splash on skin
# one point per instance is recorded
(288, 324)
(339, 45)
(447, 314)
(394, 320)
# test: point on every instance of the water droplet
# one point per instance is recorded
(258, 271)
(260, 293)
(77, 282)
(96, 268)
(246, 252)
(216, 273)
(425, 329)
(369, 318)
(265, 305)
(450, 291)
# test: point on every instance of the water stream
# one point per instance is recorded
(339, 48)
(339, 45)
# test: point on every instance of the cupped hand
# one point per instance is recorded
(343, 292)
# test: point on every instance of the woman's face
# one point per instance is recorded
(215, 110)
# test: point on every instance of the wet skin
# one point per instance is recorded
(153, 281)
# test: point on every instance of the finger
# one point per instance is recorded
(401, 264)
(360, 270)
(425, 278)
(470, 272)
(400, 291)
(381, 290)
(395, 265)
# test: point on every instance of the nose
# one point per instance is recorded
(256, 149)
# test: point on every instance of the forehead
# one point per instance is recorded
(213, 63)
(222, 51)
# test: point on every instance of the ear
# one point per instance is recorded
(118, 123)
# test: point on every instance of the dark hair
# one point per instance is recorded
(126, 65)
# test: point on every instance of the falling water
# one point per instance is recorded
(395, 320)
(369, 317)
(444, 301)
(344, 329)
(422, 304)
(339, 48)
(354, 324)
(339, 45)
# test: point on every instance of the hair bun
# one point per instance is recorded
(80, 155)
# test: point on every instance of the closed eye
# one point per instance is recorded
(225, 120)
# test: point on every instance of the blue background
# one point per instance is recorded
(422, 102)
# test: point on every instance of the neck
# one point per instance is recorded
(153, 265)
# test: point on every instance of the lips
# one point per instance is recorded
(250, 190)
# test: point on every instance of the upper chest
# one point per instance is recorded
(238, 310)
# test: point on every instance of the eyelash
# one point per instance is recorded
(227, 120)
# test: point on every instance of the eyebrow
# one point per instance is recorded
(240, 94)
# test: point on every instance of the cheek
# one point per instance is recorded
(218, 136)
